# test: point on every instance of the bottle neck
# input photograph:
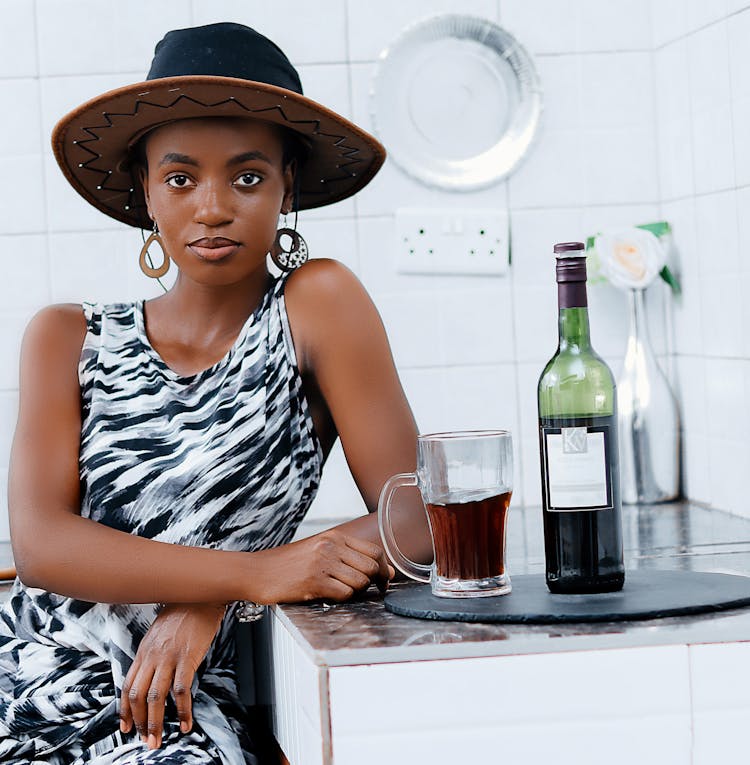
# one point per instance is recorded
(574, 328)
(573, 303)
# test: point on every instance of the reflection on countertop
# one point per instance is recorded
(677, 536)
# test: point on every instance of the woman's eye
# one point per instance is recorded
(248, 179)
(178, 181)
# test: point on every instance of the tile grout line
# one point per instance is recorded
(668, 303)
(744, 341)
(693, 196)
(42, 138)
(350, 89)
(516, 365)
(701, 28)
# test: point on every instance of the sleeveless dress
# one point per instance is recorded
(226, 458)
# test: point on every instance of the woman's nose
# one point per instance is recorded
(213, 204)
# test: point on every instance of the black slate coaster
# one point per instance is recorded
(647, 594)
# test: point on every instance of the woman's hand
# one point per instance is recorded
(329, 565)
(167, 659)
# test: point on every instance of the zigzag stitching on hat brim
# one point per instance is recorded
(108, 116)
(347, 151)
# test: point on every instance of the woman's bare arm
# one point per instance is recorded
(58, 550)
(340, 339)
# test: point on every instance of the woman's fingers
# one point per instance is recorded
(346, 574)
(384, 571)
(144, 694)
(166, 661)
(138, 698)
(126, 714)
(370, 568)
(183, 680)
(155, 700)
(360, 562)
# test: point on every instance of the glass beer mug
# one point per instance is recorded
(466, 480)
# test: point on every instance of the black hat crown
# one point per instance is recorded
(224, 50)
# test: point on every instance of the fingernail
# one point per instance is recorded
(151, 741)
(184, 727)
(123, 727)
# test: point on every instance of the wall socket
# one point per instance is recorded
(456, 241)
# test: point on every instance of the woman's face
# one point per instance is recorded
(215, 187)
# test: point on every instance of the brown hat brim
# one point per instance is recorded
(91, 143)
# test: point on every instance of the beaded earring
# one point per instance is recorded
(296, 254)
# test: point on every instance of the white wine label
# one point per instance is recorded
(576, 466)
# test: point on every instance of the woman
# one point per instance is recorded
(166, 451)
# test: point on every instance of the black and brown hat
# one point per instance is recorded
(219, 70)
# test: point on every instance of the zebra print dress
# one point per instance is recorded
(226, 458)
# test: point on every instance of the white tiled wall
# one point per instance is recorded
(646, 115)
(702, 78)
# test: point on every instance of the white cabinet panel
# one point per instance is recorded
(511, 690)
(721, 702)
(662, 741)
(294, 688)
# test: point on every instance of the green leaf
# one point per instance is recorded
(590, 242)
(671, 280)
(657, 229)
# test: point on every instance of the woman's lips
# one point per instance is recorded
(214, 254)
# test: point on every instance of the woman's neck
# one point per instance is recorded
(200, 316)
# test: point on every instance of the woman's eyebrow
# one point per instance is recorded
(184, 159)
(181, 159)
(247, 157)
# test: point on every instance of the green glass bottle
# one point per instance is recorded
(578, 448)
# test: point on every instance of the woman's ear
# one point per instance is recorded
(143, 180)
(290, 171)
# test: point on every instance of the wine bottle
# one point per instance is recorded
(578, 448)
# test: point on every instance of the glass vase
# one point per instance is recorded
(648, 418)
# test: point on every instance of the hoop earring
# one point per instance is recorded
(145, 261)
(296, 255)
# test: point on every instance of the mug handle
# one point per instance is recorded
(407, 566)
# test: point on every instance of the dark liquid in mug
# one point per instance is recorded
(469, 537)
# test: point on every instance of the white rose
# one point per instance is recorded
(630, 258)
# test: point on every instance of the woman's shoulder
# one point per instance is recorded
(58, 322)
(53, 339)
(329, 310)
(324, 286)
(71, 320)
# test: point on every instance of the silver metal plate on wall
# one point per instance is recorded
(457, 101)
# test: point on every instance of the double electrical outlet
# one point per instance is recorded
(473, 242)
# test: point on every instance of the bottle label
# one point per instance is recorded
(576, 464)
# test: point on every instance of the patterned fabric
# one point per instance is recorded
(226, 458)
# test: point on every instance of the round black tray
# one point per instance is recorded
(647, 594)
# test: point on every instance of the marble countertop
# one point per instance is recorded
(682, 536)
